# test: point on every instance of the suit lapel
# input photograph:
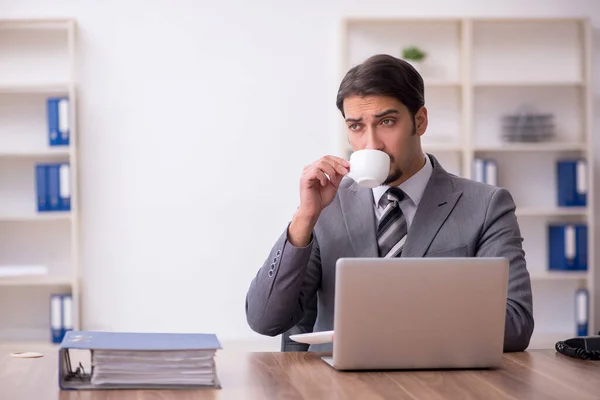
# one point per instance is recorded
(436, 204)
(359, 217)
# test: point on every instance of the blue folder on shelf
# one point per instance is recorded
(53, 186)
(56, 318)
(61, 316)
(567, 247)
(125, 360)
(485, 171)
(582, 312)
(41, 187)
(572, 184)
(59, 131)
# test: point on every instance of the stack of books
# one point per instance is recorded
(140, 360)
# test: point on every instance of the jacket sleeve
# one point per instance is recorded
(284, 287)
(306, 325)
(501, 237)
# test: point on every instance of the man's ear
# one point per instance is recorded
(421, 121)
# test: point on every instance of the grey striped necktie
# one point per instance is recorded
(392, 229)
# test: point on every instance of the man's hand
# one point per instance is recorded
(318, 185)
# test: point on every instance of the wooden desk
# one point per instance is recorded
(536, 374)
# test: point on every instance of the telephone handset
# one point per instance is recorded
(584, 347)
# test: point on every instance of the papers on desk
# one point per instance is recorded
(195, 367)
(313, 337)
(140, 360)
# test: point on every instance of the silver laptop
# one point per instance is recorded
(419, 313)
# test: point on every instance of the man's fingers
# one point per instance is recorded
(336, 165)
(314, 175)
(338, 160)
(321, 177)
(337, 180)
(326, 168)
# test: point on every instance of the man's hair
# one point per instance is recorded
(384, 75)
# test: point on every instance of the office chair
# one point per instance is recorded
(306, 325)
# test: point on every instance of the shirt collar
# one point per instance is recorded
(413, 187)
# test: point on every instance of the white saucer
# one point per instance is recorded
(313, 338)
(26, 354)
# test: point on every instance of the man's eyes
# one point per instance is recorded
(387, 121)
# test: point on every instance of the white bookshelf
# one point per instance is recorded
(478, 70)
(37, 59)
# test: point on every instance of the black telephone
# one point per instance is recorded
(585, 347)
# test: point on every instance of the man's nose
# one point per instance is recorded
(373, 141)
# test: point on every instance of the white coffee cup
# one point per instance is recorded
(369, 167)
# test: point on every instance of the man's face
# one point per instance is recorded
(384, 123)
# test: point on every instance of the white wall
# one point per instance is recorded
(195, 123)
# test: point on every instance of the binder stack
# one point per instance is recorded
(61, 316)
(53, 187)
(140, 360)
(53, 180)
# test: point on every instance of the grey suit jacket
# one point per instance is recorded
(455, 218)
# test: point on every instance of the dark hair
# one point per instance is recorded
(384, 75)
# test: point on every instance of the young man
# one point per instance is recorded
(438, 214)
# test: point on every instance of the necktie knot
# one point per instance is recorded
(392, 195)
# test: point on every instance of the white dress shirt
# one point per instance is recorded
(413, 189)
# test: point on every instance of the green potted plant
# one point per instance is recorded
(414, 56)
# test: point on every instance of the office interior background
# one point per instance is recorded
(192, 121)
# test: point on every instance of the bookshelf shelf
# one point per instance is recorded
(442, 147)
(552, 212)
(527, 51)
(532, 147)
(37, 58)
(36, 281)
(527, 84)
(442, 83)
(479, 71)
(40, 88)
(46, 216)
(491, 104)
(36, 24)
(560, 275)
(41, 153)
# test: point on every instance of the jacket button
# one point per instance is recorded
(271, 273)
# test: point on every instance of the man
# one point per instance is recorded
(439, 214)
